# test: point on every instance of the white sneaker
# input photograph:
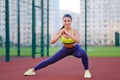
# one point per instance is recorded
(87, 74)
(29, 72)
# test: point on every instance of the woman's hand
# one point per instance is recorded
(57, 36)
(75, 37)
(67, 33)
(61, 32)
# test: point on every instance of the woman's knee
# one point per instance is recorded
(84, 54)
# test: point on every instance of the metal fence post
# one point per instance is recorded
(42, 28)
(48, 28)
(7, 44)
(86, 25)
(33, 29)
(117, 39)
(18, 23)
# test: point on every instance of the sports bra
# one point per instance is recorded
(67, 40)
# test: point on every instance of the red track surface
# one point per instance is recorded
(69, 68)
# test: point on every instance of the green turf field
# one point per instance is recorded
(100, 51)
(104, 51)
(92, 51)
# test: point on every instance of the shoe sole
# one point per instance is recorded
(29, 74)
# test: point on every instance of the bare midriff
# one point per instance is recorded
(69, 45)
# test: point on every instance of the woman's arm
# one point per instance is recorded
(75, 37)
(56, 37)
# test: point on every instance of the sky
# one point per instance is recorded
(70, 5)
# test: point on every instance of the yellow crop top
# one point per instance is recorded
(67, 40)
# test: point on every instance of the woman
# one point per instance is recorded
(70, 38)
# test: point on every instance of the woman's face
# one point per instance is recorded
(67, 22)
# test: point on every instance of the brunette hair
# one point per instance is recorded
(66, 15)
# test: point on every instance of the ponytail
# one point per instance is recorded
(62, 27)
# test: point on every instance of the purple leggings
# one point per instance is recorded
(63, 52)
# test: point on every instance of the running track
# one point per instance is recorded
(69, 68)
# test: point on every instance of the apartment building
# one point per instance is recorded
(103, 20)
(26, 20)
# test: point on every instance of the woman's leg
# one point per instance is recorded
(56, 57)
(80, 53)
